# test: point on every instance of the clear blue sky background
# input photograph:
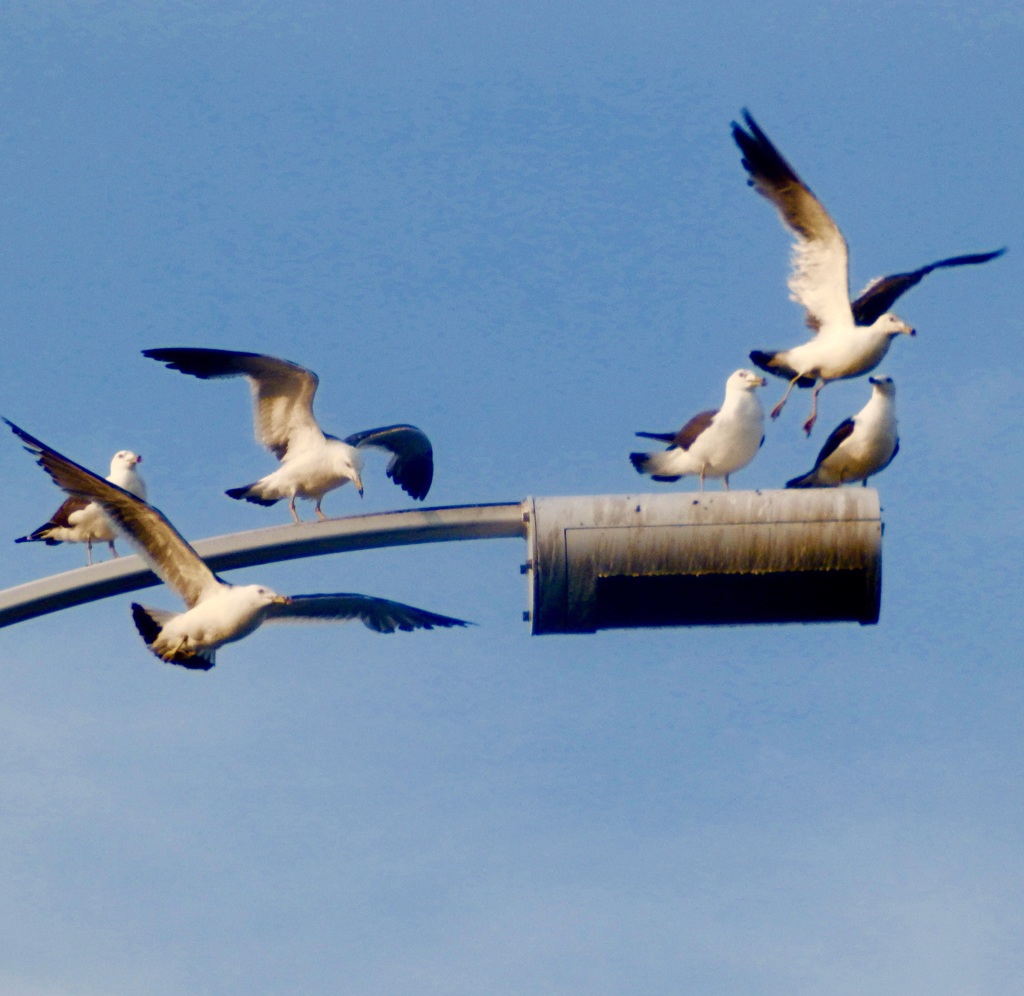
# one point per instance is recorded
(525, 228)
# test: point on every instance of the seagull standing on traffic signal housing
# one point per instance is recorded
(312, 462)
(859, 447)
(715, 443)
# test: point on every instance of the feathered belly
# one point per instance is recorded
(850, 356)
(88, 523)
(306, 478)
(209, 625)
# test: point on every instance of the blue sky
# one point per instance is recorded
(526, 229)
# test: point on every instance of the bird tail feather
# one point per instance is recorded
(248, 492)
(769, 363)
(150, 623)
(650, 463)
(49, 533)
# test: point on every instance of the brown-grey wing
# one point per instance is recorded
(688, 434)
(380, 614)
(820, 278)
(146, 528)
(880, 295)
(282, 391)
(892, 457)
(62, 517)
(840, 433)
(412, 457)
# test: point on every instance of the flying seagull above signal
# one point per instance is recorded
(850, 339)
(216, 612)
(312, 462)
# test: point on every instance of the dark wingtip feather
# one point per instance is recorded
(198, 361)
(639, 461)
(148, 627)
(414, 476)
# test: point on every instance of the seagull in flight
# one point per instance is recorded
(216, 612)
(312, 462)
(80, 521)
(715, 443)
(850, 339)
(859, 447)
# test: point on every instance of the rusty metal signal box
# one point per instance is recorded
(690, 559)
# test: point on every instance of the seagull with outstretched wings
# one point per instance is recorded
(850, 339)
(312, 463)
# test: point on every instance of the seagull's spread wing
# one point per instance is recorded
(379, 614)
(880, 295)
(282, 392)
(688, 434)
(820, 278)
(157, 541)
(412, 457)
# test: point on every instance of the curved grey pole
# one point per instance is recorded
(266, 546)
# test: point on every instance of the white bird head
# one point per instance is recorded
(883, 385)
(124, 460)
(261, 597)
(348, 462)
(744, 380)
(124, 474)
(890, 325)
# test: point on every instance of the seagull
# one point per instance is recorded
(312, 462)
(850, 339)
(715, 443)
(216, 612)
(80, 521)
(858, 447)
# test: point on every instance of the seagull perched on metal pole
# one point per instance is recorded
(312, 462)
(850, 338)
(216, 612)
(715, 443)
(859, 447)
(81, 521)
